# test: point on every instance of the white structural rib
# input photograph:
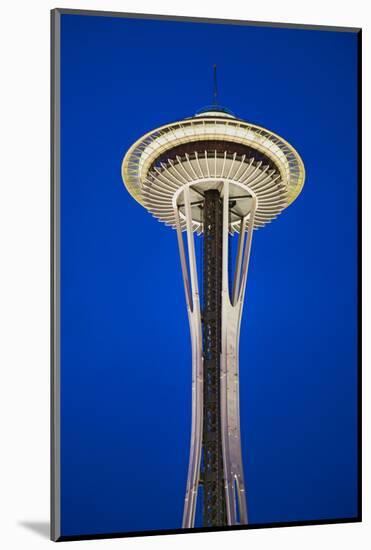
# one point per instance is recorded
(229, 380)
(194, 317)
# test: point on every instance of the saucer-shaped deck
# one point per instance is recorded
(204, 151)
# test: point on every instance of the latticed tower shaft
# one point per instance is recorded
(214, 512)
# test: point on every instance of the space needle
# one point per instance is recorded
(214, 176)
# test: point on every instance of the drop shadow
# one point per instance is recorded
(42, 528)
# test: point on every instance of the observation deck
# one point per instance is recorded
(211, 147)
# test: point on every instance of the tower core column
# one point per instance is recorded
(214, 513)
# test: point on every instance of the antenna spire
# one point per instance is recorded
(215, 93)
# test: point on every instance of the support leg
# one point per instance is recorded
(230, 413)
(194, 317)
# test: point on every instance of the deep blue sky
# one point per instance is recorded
(125, 354)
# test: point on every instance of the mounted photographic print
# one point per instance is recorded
(205, 275)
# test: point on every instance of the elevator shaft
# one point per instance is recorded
(214, 512)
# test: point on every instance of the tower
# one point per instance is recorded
(213, 176)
